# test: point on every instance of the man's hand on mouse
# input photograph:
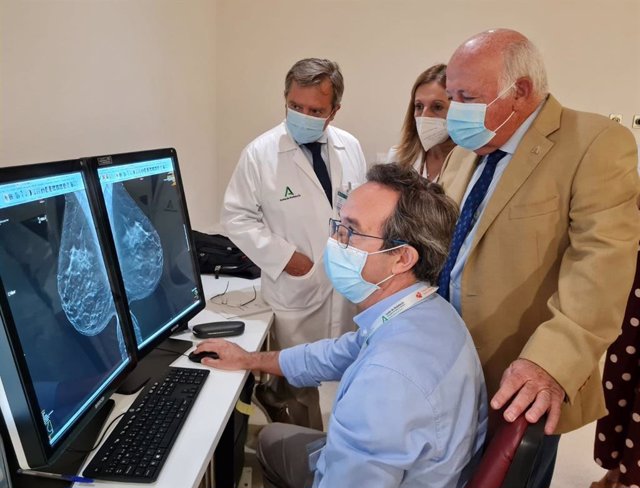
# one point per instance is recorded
(230, 356)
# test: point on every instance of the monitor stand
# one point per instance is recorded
(154, 364)
(71, 460)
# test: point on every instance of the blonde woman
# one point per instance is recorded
(425, 142)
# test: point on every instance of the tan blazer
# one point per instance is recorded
(552, 263)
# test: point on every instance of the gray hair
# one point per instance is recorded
(522, 59)
(312, 71)
(424, 217)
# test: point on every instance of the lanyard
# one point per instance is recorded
(400, 306)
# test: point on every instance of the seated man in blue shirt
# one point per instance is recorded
(411, 408)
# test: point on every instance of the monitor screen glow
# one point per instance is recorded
(61, 321)
(150, 230)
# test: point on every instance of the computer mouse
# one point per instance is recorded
(197, 357)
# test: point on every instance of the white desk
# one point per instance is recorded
(199, 436)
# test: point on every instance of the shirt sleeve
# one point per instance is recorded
(379, 428)
(324, 360)
(243, 221)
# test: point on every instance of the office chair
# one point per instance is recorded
(510, 455)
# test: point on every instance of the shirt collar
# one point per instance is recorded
(365, 319)
(510, 146)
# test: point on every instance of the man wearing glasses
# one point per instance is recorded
(288, 183)
(411, 407)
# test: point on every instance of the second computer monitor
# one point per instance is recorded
(149, 223)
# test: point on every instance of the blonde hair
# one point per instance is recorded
(410, 147)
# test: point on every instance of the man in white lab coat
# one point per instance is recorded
(288, 183)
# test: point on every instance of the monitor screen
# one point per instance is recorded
(63, 343)
(149, 224)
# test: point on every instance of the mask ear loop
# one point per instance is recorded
(497, 98)
(501, 93)
(507, 120)
(387, 250)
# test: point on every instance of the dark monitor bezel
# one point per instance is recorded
(93, 164)
(34, 449)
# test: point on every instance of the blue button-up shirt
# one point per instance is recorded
(509, 147)
(411, 407)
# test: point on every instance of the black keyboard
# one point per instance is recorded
(139, 446)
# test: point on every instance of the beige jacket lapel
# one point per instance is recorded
(456, 174)
(532, 149)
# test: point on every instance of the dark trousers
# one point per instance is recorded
(546, 461)
(282, 452)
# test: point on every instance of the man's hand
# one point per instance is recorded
(534, 389)
(230, 356)
(298, 265)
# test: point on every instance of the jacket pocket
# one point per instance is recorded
(534, 208)
(298, 292)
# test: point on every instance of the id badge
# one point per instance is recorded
(341, 197)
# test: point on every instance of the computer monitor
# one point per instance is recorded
(143, 198)
(65, 341)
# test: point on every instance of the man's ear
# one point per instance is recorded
(406, 258)
(524, 91)
(332, 115)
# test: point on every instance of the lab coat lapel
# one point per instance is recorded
(336, 151)
(300, 159)
(532, 149)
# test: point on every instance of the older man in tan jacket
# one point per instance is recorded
(543, 258)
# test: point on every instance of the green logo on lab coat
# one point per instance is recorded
(288, 194)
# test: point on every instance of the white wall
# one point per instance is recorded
(81, 78)
(84, 77)
(590, 47)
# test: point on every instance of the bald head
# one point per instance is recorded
(500, 66)
(513, 52)
(492, 42)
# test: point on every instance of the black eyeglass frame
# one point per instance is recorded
(335, 224)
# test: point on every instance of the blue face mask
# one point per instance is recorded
(304, 128)
(465, 123)
(344, 269)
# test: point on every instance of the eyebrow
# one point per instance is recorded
(312, 108)
(460, 91)
(351, 222)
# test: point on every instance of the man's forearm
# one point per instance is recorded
(265, 361)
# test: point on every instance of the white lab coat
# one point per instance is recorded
(274, 205)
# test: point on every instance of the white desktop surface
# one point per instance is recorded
(208, 417)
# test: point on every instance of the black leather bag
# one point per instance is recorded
(218, 255)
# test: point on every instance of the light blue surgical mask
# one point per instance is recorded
(344, 269)
(304, 128)
(465, 123)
